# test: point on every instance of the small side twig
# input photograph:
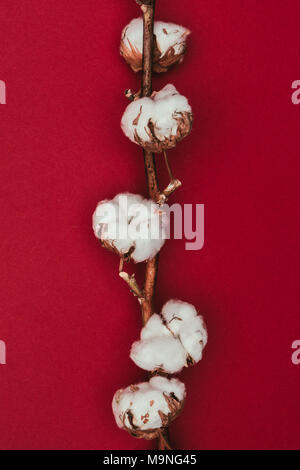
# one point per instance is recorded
(131, 95)
(172, 186)
(166, 193)
(131, 281)
(121, 264)
(168, 166)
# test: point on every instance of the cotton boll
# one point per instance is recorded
(144, 408)
(172, 345)
(172, 340)
(159, 122)
(131, 226)
(169, 46)
(164, 353)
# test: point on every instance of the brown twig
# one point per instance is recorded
(172, 186)
(121, 264)
(131, 281)
(148, 8)
(168, 165)
(164, 440)
(131, 95)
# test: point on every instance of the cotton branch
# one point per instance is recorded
(163, 348)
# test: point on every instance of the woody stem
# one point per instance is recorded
(148, 9)
(168, 166)
(164, 440)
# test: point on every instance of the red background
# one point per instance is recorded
(67, 319)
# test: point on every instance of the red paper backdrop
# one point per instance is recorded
(67, 319)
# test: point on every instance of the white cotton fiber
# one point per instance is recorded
(130, 223)
(169, 341)
(164, 111)
(159, 353)
(183, 320)
(170, 35)
(170, 386)
(175, 312)
(137, 407)
(158, 349)
(154, 327)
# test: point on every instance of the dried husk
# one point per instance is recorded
(155, 145)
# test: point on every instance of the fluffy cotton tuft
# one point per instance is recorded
(159, 122)
(144, 408)
(172, 340)
(159, 353)
(131, 226)
(154, 327)
(169, 47)
(185, 323)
